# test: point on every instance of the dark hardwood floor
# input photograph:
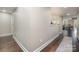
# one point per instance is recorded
(7, 44)
(53, 45)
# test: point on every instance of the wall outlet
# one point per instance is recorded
(41, 40)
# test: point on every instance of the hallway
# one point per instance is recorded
(38, 29)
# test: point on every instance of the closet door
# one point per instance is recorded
(5, 23)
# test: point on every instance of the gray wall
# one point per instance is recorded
(78, 26)
(32, 27)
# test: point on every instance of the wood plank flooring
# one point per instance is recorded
(53, 45)
(7, 44)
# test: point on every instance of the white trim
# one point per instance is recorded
(8, 34)
(19, 43)
(47, 43)
(39, 48)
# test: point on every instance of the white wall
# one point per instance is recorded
(5, 23)
(32, 27)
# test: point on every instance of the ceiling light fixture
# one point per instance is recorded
(65, 7)
(68, 14)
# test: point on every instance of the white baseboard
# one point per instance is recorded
(47, 43)
(21, 46)
(8, 34)
(38, 49)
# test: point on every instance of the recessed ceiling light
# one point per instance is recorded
(65, 7)
(68, 14)
(3, 10)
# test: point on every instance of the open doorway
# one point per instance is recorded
(68, 27)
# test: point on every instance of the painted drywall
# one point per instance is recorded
(78, 26)
(32, 27)
(5, 23)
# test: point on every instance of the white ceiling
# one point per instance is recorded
(62, 11)
(7, 9)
